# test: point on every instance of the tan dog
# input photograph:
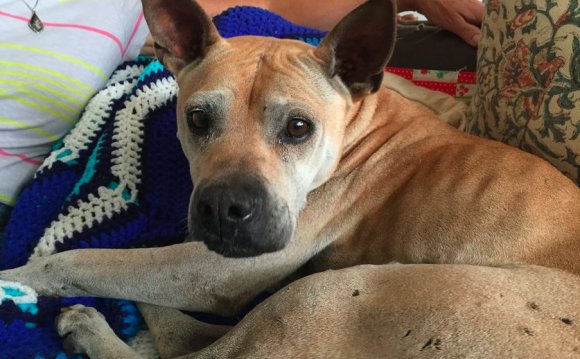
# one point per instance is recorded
(303, 162)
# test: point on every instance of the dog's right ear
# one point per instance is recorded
(360, 45)
(182, 31)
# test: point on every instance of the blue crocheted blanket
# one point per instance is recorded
(117, 180)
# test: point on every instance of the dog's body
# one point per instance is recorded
(298, 168)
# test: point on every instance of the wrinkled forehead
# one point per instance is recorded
(262, 70)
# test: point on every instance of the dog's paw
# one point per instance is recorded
(80, 327)
(11, 275)
(33, 275)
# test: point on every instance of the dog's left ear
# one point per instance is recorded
(182, 31)
(360, 45)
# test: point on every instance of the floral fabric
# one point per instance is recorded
(528, 80)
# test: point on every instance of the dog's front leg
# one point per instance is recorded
(85, 331)
(184, 276)
(176, 333)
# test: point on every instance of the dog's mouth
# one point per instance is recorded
(231, 250)
(237, 217)
(241, 243)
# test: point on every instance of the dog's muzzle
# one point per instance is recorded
(236, 216)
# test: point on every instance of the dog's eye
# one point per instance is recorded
(198, 121)
(298, 129)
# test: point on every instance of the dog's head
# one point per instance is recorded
(262, 120)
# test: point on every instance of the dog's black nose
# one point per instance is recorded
(236, 216)
(227, 205)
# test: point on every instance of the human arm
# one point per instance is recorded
(462, 17)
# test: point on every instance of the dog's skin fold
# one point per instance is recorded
(481, 229)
